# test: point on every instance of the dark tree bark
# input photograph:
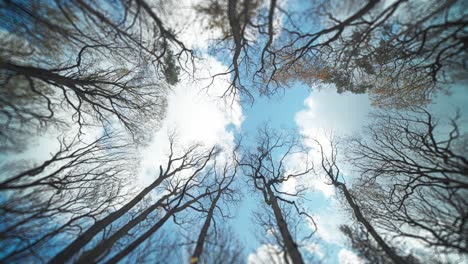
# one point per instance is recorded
(202, 190)
(190, 159)
(414, 171)
(267, 172)
(124, 63)
(223, 190)
(175, 193)
(333, 173)
(81, 181)
(401, 53)
(204, 231)
(290, 244)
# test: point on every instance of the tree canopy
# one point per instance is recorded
(132, 131)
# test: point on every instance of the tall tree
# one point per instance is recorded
(225, 178)
(122, 57)
(191, 159)
(54, 200)
(400, 52)
(265, 168)
(332, 172)
(222, 247)
(236, 20)
(196, 188)
(413, 178)
(175, 191)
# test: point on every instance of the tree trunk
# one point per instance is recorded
(204, 231)
(88, 235)
(47, 75)
(291, 246)
(357, 212)
(92, 255)
(132, 246)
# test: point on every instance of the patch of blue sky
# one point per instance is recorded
(446, 104)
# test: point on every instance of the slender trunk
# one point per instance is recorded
(132, 246)
(360, 217)
(46, 75)
(235, 30)
(204, 231)
(92, 255)
(291, 246)
(89, 234)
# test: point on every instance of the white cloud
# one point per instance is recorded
(319, 184)
(329, 221)
(328, 111)
(348, 257)
(296, 163)
(289, 186)
(266, 254)
(316, 249)
(197, 115)
(270, 254)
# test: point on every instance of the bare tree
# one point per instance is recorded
(224, 193)
(193, 190)
(222, 247)
(113, 25)
(266, 169)
(82, 181)
(159, 249)
(368, 249)
(399, 52)
(332, 171)
(413, 178)
(236, 20)
(122, 60)
(175, 191)
(191, 158)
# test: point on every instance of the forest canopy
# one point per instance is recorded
(236, 131)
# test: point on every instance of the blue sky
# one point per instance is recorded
(308, 111)
(315, 111)
(199, 115)
(340, 112)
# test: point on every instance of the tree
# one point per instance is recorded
(95, 75)
(43, 204)
(401, 52)
(413, 178)
(195, 189)
(332, 173)
(171, 70)
(122, 52)
(177, 190)
(158, 249)
(223, 247)
(224, 179)
(236, 20)
(191, 159)
(265, 168)
(366, 247)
